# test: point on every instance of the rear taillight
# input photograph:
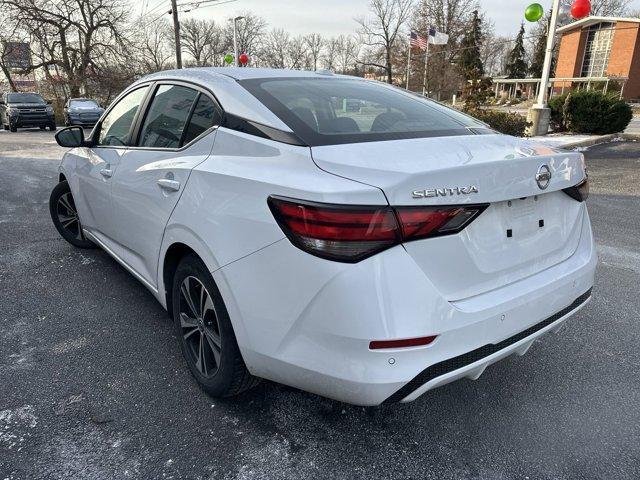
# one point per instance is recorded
(579, 192)
(346, 233)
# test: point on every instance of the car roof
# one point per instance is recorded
(235, 99)
(243, 73)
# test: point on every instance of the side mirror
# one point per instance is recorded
(71, 137)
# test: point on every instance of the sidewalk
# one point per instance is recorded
(582, 142)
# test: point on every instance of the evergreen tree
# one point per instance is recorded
(470, 61)
(516, 64)
(540, 48)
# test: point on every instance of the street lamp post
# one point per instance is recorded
(540, 114)
(235, 40)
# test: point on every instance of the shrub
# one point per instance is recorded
(594, 112)
(556, 104)
(504, 122)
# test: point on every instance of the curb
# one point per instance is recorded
(590, 142)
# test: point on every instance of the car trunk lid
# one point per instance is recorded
(525, 229)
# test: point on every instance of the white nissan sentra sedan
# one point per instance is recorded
(338, 235)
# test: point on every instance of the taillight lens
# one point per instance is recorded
(348, 233)
(425, 222)
(579, 192)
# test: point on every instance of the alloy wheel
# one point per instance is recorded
(68, 216)
(200, 327)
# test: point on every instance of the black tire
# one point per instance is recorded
(13, 128)
(43, 127)
(65, 218)
(198, 333)
(52, 127)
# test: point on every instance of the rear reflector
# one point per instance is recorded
(347, 233)
(407, 342)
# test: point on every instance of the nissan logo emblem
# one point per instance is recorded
(543, 177)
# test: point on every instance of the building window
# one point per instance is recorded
(598, 49)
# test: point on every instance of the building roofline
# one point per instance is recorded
(588, 21)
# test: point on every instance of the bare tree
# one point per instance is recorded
(71, 35)
(380, 32)
(202, 39)
(450, 17)
(251, 30)
(314, 43)
(152, 44)
(9, 33)
(329, 58)
(610, 8)
(298, 54)
(275, 49)
(348, 51)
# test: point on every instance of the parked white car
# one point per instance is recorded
(367, 255)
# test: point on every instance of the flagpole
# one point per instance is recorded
(426, 61)
(408, 65)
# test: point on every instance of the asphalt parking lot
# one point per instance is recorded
(92, 384)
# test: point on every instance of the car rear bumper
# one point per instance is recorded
(307, 322)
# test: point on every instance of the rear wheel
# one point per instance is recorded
(52, 127)
(65, 216)
(43, 127)
(205, 333)
(13, 128)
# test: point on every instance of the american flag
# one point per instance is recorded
(419, 41)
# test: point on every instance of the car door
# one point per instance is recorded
(151, 175)
(96, 166)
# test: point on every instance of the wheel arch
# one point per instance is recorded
(179, 241)
(174, 254)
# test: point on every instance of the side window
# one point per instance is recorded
(167, 116)
(116, 126)
(205, 115)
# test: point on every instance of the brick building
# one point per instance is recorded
(602, 48)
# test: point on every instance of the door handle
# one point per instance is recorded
(106, 172)
(168, 184)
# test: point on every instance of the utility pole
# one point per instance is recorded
(176, 31)
(540, 114)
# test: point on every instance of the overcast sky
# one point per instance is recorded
(333, 17)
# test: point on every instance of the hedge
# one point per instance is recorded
(589, 112)
(504, 122)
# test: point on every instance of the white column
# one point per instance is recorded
(546, 67)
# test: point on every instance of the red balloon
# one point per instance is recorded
(244, 58)
(580, 9)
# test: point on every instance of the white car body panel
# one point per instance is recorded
(142, 207)
(307, 322)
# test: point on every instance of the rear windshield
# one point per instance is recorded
(83, 103)
(335, 111)
(24, 98)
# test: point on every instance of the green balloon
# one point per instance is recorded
(228, 58)
(534, 12)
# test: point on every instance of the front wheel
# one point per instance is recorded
(204, 331)
(65, 216)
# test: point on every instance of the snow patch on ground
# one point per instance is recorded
(14, 426)
(558, 140)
